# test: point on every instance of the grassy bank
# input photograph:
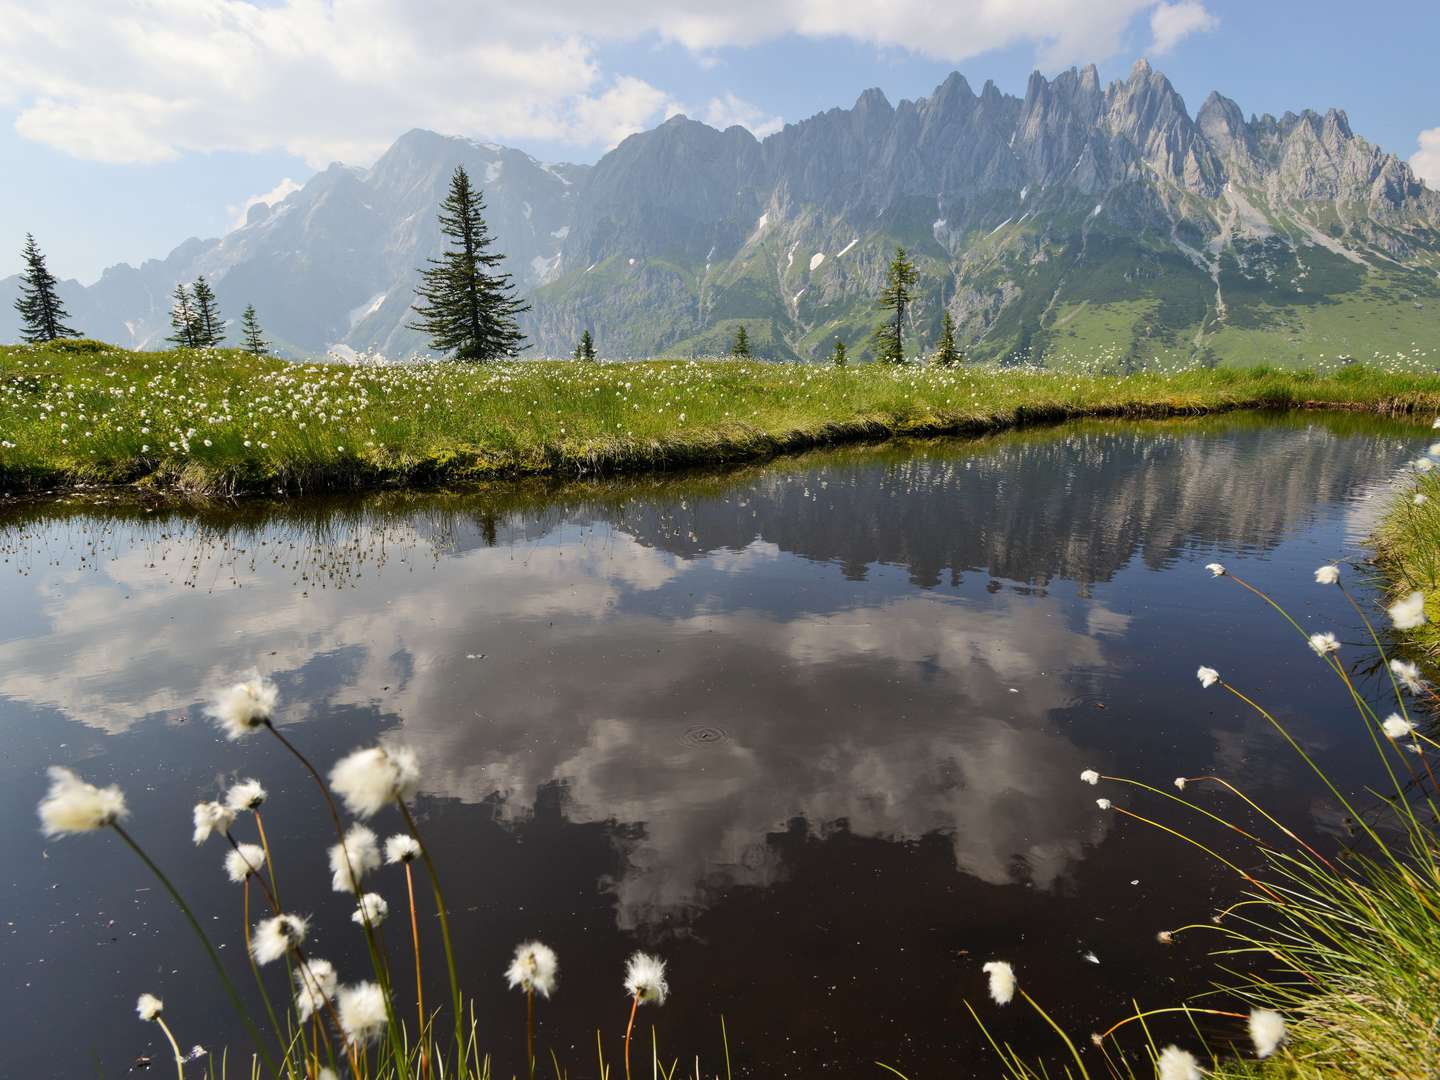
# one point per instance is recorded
(219, 422)
(1407, 547)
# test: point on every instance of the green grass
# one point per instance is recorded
(1407, 546)
(214, 422)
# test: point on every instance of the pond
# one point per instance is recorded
(810, 730)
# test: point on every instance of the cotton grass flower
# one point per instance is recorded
(1103, 804)
(369, 779)
(243, 860)
(1324, 643)
(401, 848)
(1267, 1031)
(1177, 1064)
(246, 795)
(645, 979)
(535, 969)
(1090, 776)
(372, 909)
(315, 985)
(273, 938)
(1002, 981)
(1409, 675)
(1208, 677)
(73, 806)
(362, 1013)
(1215, 569)
(149, 1007)
(1327, 575)
(352, 859)
(1180, 783)
(1408, 613)
(212, 817)
(244, 707)
(1396, 726)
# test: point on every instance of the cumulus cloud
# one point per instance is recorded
(1173, 23)
(726, 111)
(1426, 161)
(240, 212)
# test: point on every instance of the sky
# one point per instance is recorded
(127, 126)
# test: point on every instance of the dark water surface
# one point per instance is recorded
(812, 731)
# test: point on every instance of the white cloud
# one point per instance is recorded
(147, 80)
(1173, 23)
(724, 112)
(1426, 161)
(269, 198)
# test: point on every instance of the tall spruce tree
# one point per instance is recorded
(42, 315)
(209, 326)
(184, 330)
(837, 355)
(741, 348)
(946, 354)
(585, 350)
(896, 297)
(463, 305)
(251, 334)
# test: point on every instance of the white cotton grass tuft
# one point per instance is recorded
(1423, 464)
(1436, 424)
(1327, 575)
(273, 938)
(243, 860)
(244, 707)
(315, 984)
(149, 1007)
(351, 860)
(1420, 498)
(1180, 783)
(1176, 1064)
(645, 979)
(401, 848)
(73, 806)
(362, 1012)
(1104, 804)
(1267, 1031)
(372, 908)
(1090, 776)
(1002, 981)
(212, 817)
(369, 779)
(1396, 726)
(246, 795)
(1165, 937)
(1208, 677)
(1216, 570)
(1324, 643)
(1408, 613)
(1409, 675)
(535, 969)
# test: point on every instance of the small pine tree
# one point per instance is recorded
(837, 355)
(42, 315)
(466, 308)
(946, 354)
(585, 350)
(251, 334)
(184, 330)
(209, 326)
(896, 297)
(741, 349)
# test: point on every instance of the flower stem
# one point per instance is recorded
(179, 1060)
(634, 1007)
(419, 981)
(444, 932)
(530, 1030)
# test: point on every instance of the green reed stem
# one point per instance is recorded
(174, 1046)
(1074, 1053)
(255, 969)
(444, 933)
(1208, 851)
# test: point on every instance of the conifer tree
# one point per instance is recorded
(946, 354)
(184, 330)
(42, 315)
(463, 304)
(896, 297)
(251, 334)
(209, 326)
(585, 350)
(837, 355)
(741, 349)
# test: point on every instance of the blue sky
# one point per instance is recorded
(126, 127)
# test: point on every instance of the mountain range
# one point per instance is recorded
(1087, 222)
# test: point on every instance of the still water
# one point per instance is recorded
(812, 731)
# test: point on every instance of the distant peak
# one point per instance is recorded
(1141, 69)
(873, 98)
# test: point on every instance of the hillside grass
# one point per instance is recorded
(224, 422)
(1407, 550)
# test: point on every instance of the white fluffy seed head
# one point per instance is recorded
(1090, 776)
(244, 707)
(352, 860)
(362, 1013)
(1103, 804)
(1002, 981)
(243, 860)
(645, 979)
(1327, 575)
(1165, 937)
(535, 968)
(1208, 677)
(246, 795)
(149, 1007)
(315, 984)
(1324, 643)
(401, 848)
(273, 938)
(1396, 726)
(1267, 1031)
(1177, 1064)
(1420, 498)
(1408, 674)
(73, 806)
(372, 908)
(370, 779)
(212, 817)
(1216, 570)
(1180, 783)
(1408, 613)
